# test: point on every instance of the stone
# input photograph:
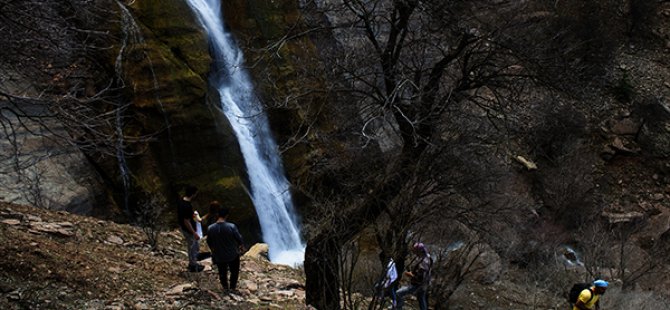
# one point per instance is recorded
(526, 163)
(249, 285)
(34, 218)
(114, 269)
(11, 222)
(215, 296)
(140, 306)
(619, 146)
(258, 251)
(64, 224)
(625, 127)
(115, 239)
(251, 266)
(284, 293)
(179, 289)
(51, 228)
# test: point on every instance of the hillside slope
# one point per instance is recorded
(57, 260)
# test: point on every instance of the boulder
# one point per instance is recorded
(654, 135)
(258, 251)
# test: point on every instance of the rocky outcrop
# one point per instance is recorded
(194, 143)
(37, 171)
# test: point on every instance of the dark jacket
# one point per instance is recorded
(224, 240)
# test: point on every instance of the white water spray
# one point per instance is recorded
(269, 187)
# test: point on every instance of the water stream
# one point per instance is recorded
(132, 38)
(269, 186)
(130, 35)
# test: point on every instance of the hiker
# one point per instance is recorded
(185, 216)
(388, 283)
(226, 244)
(211, 216)
(419, 278)
(589, 298)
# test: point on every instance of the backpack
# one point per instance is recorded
(577, 289)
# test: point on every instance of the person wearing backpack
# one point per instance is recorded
(589, 298)
(419, 278)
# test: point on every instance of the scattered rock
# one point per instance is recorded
(11, 222)
(249, 285)
(33, 218)
(526, 163)
(115, 239)
(284, 293)
(179, 289)
(619, 146)
(140, 306)
(215, 296)
(622, 217)
(51, 228)
(625, 127)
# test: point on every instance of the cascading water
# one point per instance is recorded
(130, 35)
(269, 187)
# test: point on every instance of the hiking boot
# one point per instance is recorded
(196, 268)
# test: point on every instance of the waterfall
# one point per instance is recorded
(133, 35)
(269, 187)
(130, 35)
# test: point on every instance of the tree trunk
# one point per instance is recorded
(321, 272)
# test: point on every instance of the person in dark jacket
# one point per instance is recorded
(225, 241)
(419, 278)
(187, 226)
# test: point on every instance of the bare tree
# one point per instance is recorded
(148, 217)
(406, 67)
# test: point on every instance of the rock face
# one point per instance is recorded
(194, 144)
(39, 172)
(160, 57)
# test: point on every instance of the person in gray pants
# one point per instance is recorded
(187, 227)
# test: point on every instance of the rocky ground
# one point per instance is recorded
(57, 260)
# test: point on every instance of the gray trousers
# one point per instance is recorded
(192, 248)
